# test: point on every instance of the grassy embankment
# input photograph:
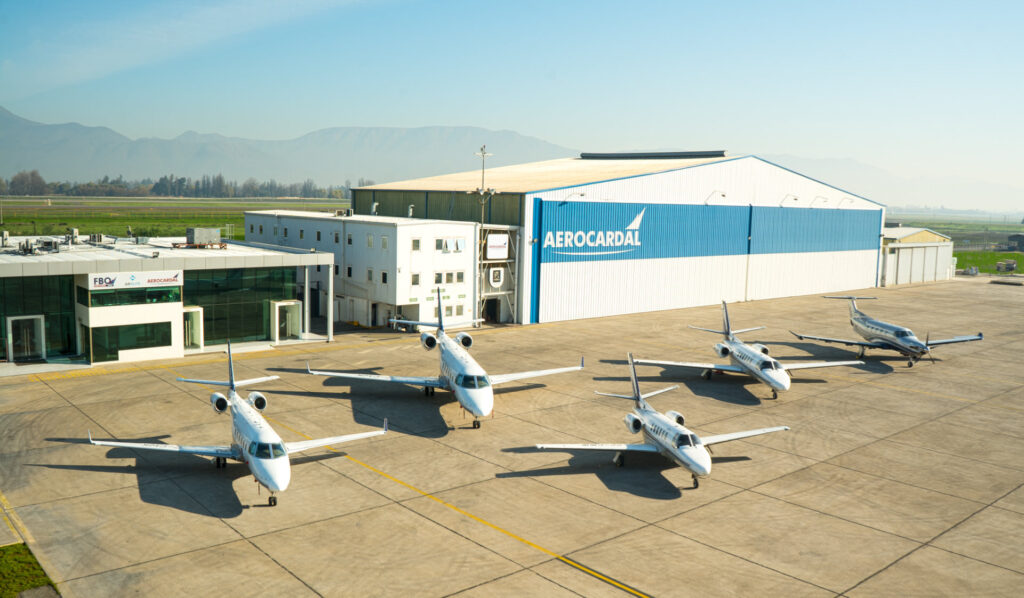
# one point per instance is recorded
(986, 260)
(148, 217)
(19, 571)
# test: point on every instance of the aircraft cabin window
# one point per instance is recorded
(767, 365)
(473, 381)
(252, 449)
(277, 450)
(262, 451)
(684, 440)
(902, 334)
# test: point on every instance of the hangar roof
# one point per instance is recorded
(124, 255)
(910, 234)
(361, 218)
(550, 174)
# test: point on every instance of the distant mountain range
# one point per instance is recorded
(73, 152)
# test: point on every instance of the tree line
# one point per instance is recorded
(32, 183)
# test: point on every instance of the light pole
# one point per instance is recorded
(484, 194)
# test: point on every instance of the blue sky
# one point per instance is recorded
(919, 88)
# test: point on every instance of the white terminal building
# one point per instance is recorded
(105, 299)
(602, 234)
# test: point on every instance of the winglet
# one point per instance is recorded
(581, 362)
(385, 424)
(308, 371)
(799, 336)
(90, 437)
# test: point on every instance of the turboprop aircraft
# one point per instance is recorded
(254, 442)
(460, 373)
(664, 433)
(883, 335)
(747, 359)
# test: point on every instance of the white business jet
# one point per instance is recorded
(664, 433)
(747, 359)
(254, 442)
(883, 335)
(460, 373)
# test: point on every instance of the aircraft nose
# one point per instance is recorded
(479, 402)
(702, 465)
(275, 474)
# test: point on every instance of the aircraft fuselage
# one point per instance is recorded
(675, 442)
(258, 445)
(896, 338)
(765, 369)
(464, 377)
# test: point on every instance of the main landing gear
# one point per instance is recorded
(706, 374)
(476, 424)
(428, 390)
(696, 482)
(860, 355)
(220, 462)
(775, 394)
(619, 459)
(272, 500)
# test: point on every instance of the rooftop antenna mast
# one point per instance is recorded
(484, 194)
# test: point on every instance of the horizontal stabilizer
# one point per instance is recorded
(658, 392)
(854, 297)
(637, 448)
(238, 383)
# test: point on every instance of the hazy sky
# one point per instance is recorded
(918, 88)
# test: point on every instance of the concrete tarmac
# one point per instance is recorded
(893, 481)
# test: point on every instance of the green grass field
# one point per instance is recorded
(986, 260)
(966, 232)
(19, 571)
(148, 217)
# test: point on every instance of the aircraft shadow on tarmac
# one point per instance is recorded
(408, 410)
(205, 489)
(641, 476)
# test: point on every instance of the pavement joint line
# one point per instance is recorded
(579, 566)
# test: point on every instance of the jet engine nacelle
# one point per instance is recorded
(722, 350)
(258, 401)
(429, 341)
(464, 339)
(676, 417)
(633, 423)
(760, 348)
(219, 402)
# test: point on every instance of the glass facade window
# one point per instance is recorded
(236, 303)
(415, 280)
(50, 296)
(438, 278)
(82, 295)
(135, 296)
(438, 244)
(460, 277)
(107, 341)
(415, 244)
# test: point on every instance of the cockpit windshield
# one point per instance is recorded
(902, 333)
(263, 450)
(472, 381)
(768, 364)
(683, 440)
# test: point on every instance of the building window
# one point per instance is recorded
(458, 310)
(438, 244)
(286, 232)
(252, 228)
(348, 239)
(348, 271)
(449, 277)
(335, 269)
(369, 275)
(415, 244)
(108, 341)
(415, 280)
(302, 234)
(369, 240)
(460, 277)
(438, 278)
(447, 310)
(275, 231)
(383, 242)
(317, 235)
(261, 229)
(435, 313)
(335, 237)
(460, 244)
(318, 268)
(383, 277)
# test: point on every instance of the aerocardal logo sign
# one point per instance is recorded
(600, 242)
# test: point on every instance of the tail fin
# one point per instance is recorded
(637, 397)
(439, 324)
(726, 329)
(853, 301)
(231, 369)
(440, 312)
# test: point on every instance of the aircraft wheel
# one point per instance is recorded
(619, 460)
(706, 374)
(910, 363)
(861, 353)
(775, 395)
(476, 424)
(696, 483)
(426, 391)
(273, 501)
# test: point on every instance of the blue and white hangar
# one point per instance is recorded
(608, 234)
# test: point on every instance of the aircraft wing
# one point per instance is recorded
(434, 382)
(205, 451)
(503, 378)
(817, 364)
(839, 340)
(956, 339)
(636, 448)
(305, 445)
(738, 435)
(693, 365)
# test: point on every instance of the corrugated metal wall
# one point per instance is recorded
(440, 205)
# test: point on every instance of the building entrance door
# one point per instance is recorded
(193, 321)
(286, 320)
(25, 338)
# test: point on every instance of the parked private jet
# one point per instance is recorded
(883, 335)
(254, 442)
(747, 359)
(460, 373)
(664, 433)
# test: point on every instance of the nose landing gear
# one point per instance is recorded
(696, 482)
(476, 424)
(272, 500)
